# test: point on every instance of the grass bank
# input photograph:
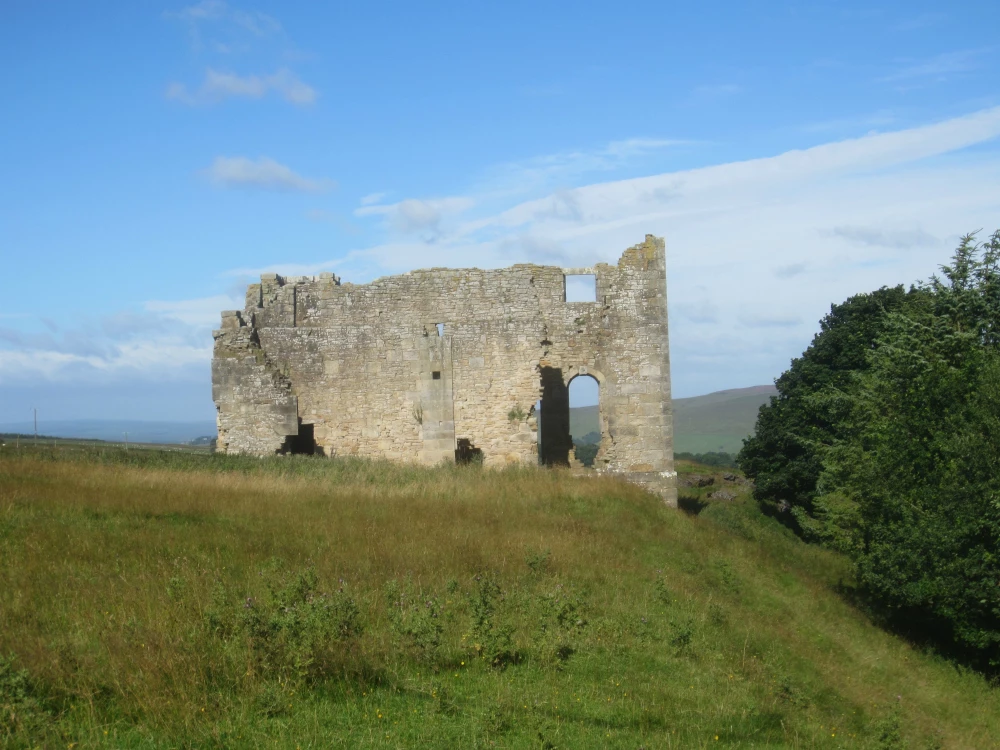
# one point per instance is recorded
(155, 599)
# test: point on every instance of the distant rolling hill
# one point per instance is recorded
(714, 422)
(114, 430)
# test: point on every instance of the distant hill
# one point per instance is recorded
(714, 422)
(139, 431)
(718, 421)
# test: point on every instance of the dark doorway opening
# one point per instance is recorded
(467, 453)
(554, 443)
(303, 444)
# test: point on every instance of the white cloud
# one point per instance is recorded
(885, 236)
(162, 358)
(218, 12)
(757, 250)
(700, 311)
(218, 86)
(762, 247)
(262, 173)
(769, 319)
(790, 270)
(412, 215)
(372, 198)
(203, 312)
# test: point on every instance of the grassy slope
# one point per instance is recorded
(717, 421)
(708, 631)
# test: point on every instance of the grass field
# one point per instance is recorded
(162, 600)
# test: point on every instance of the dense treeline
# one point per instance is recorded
(884, 442)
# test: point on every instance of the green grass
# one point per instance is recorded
(157, 599)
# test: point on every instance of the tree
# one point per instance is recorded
(918, 456)
(784, 456)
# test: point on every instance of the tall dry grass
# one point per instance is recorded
(116, 572)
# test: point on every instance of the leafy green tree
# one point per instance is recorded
(919, 458)
(784, 456)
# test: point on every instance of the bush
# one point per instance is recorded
(294, 631)
(712, 458)
(493, 640)
(586, 453)
(562, 622)
(22, 714)
(415, 616)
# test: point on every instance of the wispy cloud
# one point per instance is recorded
(700, 311)
(938, 68)
(798, 230)
(791, 270)
(163, 341)
(372, 198)
(920, 21)
(262, 173)
(769, 319)
(879, 119)
(757, 249)
(221, 13)
(202, 312)
(882, 237)
(219, 86)
(412, 215)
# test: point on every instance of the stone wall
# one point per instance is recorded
(443, 364)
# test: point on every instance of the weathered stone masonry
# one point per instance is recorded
(443, 364)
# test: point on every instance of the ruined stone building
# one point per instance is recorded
(444, 365)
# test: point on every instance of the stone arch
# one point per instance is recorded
(574, 372)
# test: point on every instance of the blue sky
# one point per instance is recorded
(156, 157)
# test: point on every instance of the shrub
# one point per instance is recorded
(712, 458)
(492, 637)
(415, 616)
(22, 714)
(294, 630)
(562, 622)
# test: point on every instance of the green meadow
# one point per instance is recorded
(165, 600)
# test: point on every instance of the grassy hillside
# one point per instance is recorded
(714, 422)
(584, 420)
(183, 600)
(718, 421)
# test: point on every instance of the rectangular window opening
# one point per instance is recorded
(436, 375)
(581, 287)
(440, 327)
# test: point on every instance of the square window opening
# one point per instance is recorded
(581, 287)
(436, 375)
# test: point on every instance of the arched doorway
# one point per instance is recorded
(585, 417)
(565, 407)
